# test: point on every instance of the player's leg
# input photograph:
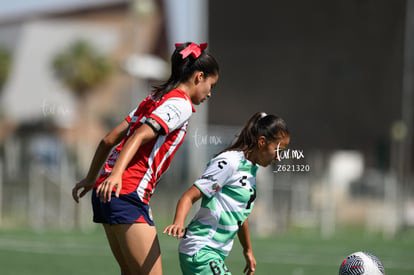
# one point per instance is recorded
(140, 247)
(116, 249)
(101, 215)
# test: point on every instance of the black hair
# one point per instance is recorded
(183, 68)
(270, 126)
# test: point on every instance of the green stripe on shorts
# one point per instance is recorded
(205, 262)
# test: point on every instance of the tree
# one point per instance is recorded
(5, 62)
(80, 67)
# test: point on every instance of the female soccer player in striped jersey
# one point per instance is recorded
(148, 138)
(228, 190)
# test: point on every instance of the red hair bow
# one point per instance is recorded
(193, 49)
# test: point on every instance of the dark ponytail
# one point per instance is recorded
(183, 68)
(260, 124)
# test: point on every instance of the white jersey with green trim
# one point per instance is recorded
(229, 187)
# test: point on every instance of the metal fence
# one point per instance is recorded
(37, 174)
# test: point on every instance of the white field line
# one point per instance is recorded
(62, 248)
(75, 248)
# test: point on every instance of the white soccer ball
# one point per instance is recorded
(361, 263)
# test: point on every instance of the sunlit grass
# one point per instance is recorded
(297, 253)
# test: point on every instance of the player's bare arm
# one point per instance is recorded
(244, 238)
(183, 207)
(142, 135)
(104, 148)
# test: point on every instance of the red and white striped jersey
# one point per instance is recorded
(152, 158)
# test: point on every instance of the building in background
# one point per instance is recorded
(49, 134)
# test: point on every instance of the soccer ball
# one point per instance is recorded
(361, 263)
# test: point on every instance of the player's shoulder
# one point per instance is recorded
(175, 93)
(179, 99)
(146, 104)
(170, 96)
(230, 158)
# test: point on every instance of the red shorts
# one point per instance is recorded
(126, 209)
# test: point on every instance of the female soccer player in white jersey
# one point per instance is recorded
(228, 190)
(148, 138)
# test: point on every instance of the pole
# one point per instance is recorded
(187, 20)
(407, 102)
(1, 191)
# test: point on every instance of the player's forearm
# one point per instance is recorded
(244, 236)
(127, 153)
(98, 160)
(142, 135)
(183, 207)
(185, 203)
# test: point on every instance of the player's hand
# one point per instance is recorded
(105, 189)
(86, 185)
(250, 267)
(175, 230)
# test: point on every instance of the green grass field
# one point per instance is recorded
(296, 253)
